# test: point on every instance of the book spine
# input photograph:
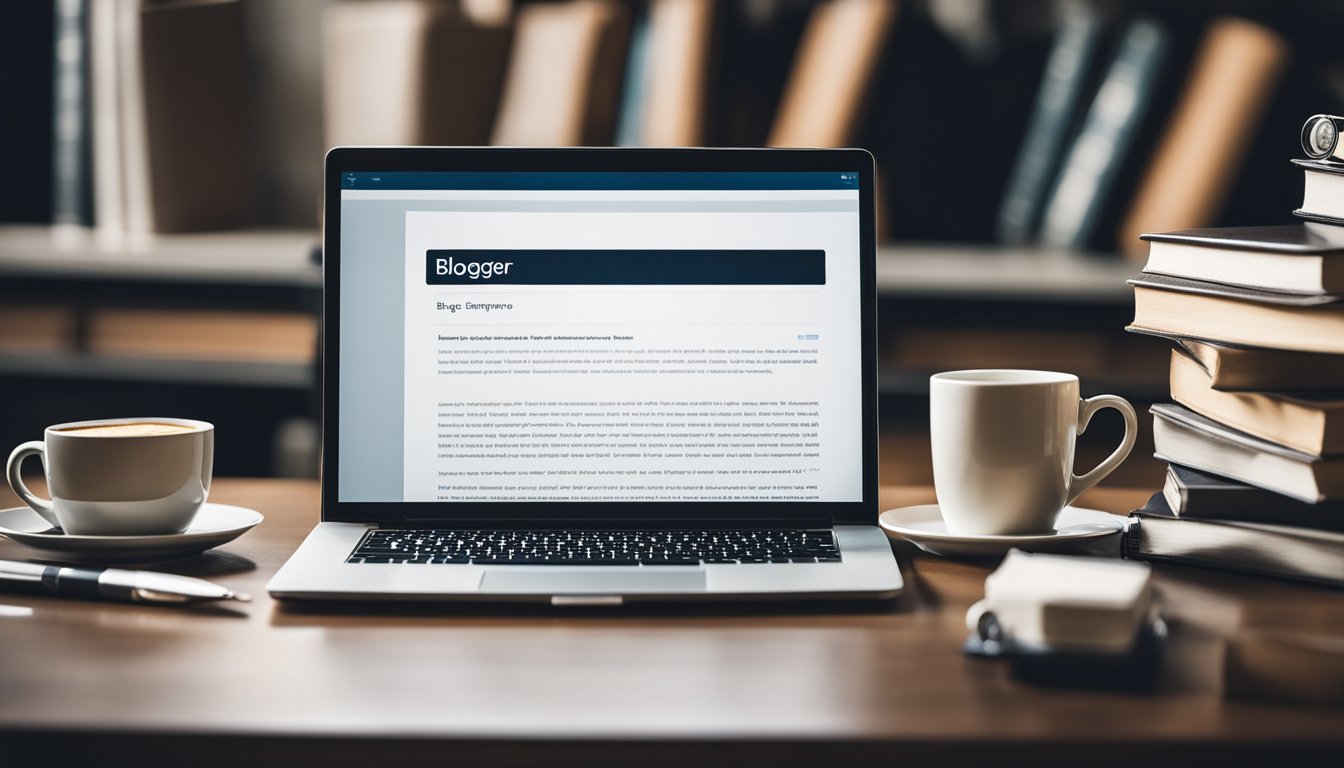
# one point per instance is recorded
(71, 198)
(1230, 558)
(1247, 503)
(1102, 150)
(104, 103)
(634, 90)
(1067, 72)
(132, 131)
(1131, 539)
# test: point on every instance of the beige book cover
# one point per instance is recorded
(412, 72)
(1312, 425)
(1237, 68)
(564, 74)
(183, 108)
(38, 329)
(281, 337)
(1233, 321)
(832, 74)
(681, 45)
(1235, 369)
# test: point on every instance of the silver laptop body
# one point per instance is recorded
(597, 376)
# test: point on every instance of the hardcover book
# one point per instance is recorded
(1311, 424)
(1291, 258)
(1181, 436)
(1236, 369)
(1194, 494)
(1232, 315)
(1154, 533)
(1323, 191)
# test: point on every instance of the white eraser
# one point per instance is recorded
(1067, 603)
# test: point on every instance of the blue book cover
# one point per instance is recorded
(1105, 145)
(1068, 71)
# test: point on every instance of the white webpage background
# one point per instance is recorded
(658, 317)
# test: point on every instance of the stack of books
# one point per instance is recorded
(1255, 438)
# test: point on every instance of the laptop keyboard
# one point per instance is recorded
(669, 547)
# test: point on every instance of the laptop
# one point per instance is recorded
(596, 377)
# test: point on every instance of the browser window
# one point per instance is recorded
(601, 337)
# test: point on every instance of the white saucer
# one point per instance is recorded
(215, 524)
(924, 526)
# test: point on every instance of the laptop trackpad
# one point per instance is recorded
(602, 581)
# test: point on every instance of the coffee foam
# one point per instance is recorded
(133, 429)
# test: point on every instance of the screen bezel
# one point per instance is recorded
(391, 159)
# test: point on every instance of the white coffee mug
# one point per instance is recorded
(1003, 445)
(120, 477)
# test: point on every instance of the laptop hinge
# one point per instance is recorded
(624, 523)
(587, 601)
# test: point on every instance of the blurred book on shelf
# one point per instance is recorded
(756, 43)
(1237, 67)
(181, 105)
(71, 166)
(32, 329)
(412, 72)
(1090, 178)
(667, 71)
(145, 111)
(285, 337)
(1060, 100)
(564, 75)
(830, 80)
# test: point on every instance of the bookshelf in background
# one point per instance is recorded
(954, 106)
(978, 118)
(218, 326)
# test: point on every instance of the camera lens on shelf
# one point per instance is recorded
(1320, 138)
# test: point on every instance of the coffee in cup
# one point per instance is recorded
(120, 477)
(1003, 447)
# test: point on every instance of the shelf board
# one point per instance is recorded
(277, 257)
(232, 373)
(1010, 274)
(283, 257)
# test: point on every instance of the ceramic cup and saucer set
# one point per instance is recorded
(1003, 449)
(122, 491)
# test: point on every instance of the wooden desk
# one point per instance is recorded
(267, 685)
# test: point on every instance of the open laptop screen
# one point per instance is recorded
(600, 337)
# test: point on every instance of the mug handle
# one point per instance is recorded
(1078, 484)
(12, 470)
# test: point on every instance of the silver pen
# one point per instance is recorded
(115, 584)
